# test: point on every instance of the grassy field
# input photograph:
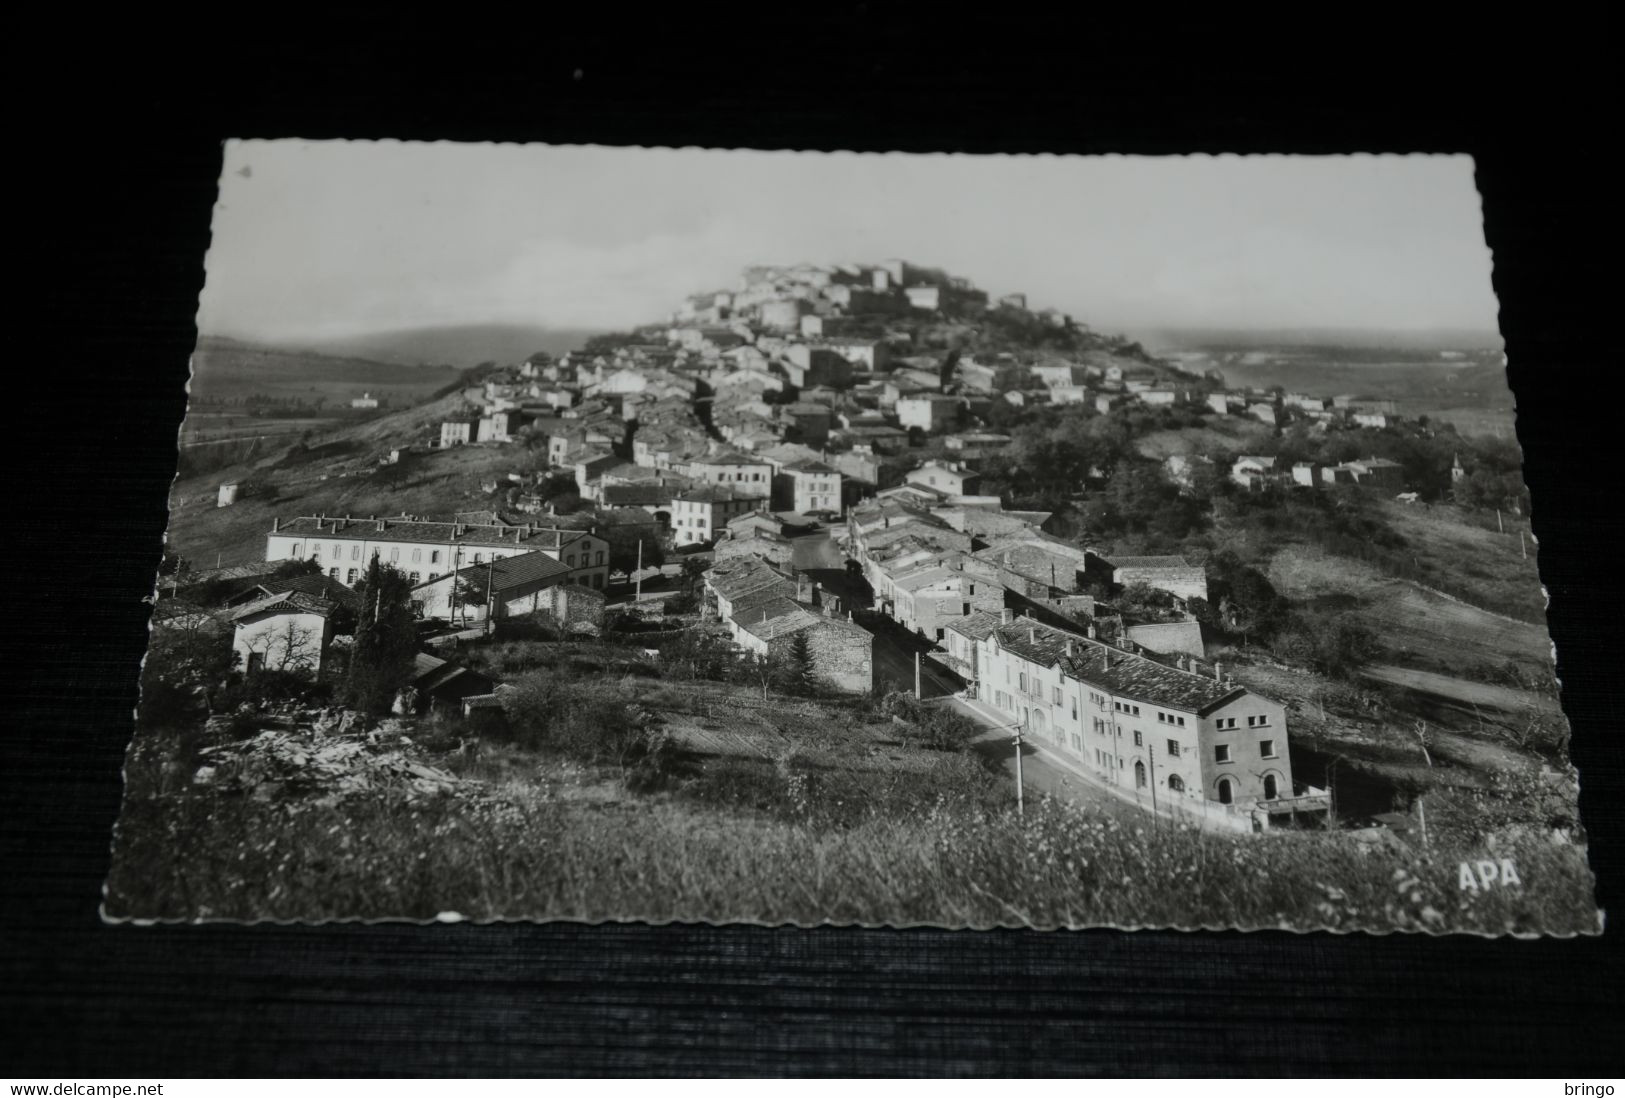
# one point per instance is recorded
(1412, 626)
(813, 813)
(226, 370)
(337, 475)
(1233, 434)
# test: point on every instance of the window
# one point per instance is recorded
(414, 579)
(570, 560)
(479, 558)
(1176, 784)
(1221, 753)
(1266, 748)
(1258, 722)
(394, 555)
(1173, 749)
(355, 552)
(338, 551)
(1226, 722)
(1226, 793)
(316, 552)
(600, 557)
(1139, 740)
(417, 555)
(333, 573)
(434, 556)
(973, 589)
(1139, 774)
(350, 578)
(1271, 789)
(1074, 708)
(1057, 694)
(1021, 682)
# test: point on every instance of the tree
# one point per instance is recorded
(292, 647)
(765, 671)
(800, 676)
(290, 568)
(385, 641)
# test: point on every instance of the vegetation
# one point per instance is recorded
(385, 641)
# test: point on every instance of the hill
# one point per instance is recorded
(228, 371)
(460, 346)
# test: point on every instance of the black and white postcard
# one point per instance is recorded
(708, 536)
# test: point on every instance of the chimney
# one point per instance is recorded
(1218, 670)
(1007, 615)
(276, 524)
(1032, 635)
(1069, 647)
(380, 526)
(1093, 633)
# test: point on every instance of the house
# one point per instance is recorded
(974, 445)
(842, 653)
(809, 366)
(805, 421)
(1171, 574)
(925, 596)
(928, 412)
(497, 589)
(745, 475)
(700, 515)
(366, 401)
(1306, 473)
(924, 297)
(1160, 397)
(1013, 301)
(734, 586)
(1163, 729)
(437, 683)
(807, 486)
(948, 479)
(456, 432)
(1369, 473)
(871, 354)
(1253, 471)
(426, 550)
(1370, 419)
(288, 631)
(1265, 413)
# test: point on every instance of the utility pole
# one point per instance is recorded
(637, 574)
(1499, 525)
(1021, 806)
(919, 696)
(1523, 545)
(1151, 757)
(490, 595)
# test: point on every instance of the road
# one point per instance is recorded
(1042, 772)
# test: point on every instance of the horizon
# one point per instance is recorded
(331, 239)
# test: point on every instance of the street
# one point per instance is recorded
(1043, 772)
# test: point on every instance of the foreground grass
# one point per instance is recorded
(185, 856)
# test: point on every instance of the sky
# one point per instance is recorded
(317, 239)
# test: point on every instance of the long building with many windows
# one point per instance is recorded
(343, 546)
(1163, 728)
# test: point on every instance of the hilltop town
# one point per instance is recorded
(1192, 600)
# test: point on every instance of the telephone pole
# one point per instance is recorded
(1151, 758)
(918, 696)
(490, 595)
(637, 575)
(1021, 807)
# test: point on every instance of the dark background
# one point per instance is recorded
(117, 140)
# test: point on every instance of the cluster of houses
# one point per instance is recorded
(1274, 407)
(790, 403)
(796, 386)
(1255, 472)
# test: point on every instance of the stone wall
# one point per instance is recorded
(843, 654)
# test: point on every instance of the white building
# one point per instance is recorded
(344, 547)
